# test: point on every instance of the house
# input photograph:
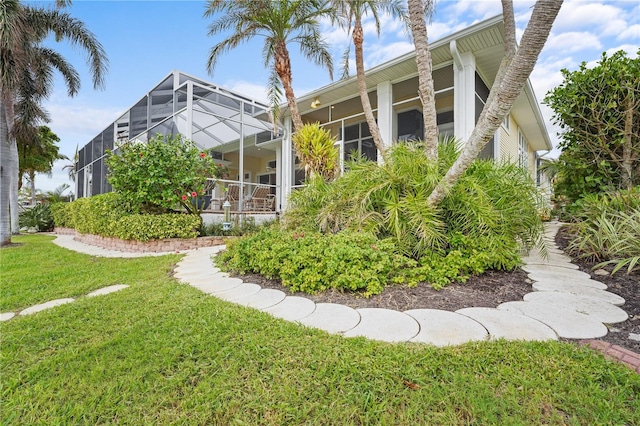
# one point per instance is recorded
(238, 131)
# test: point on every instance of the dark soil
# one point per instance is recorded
(487, 290)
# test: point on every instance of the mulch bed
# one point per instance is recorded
(487, 290)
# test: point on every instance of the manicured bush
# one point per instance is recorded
(61, 213)
(145, 227)
(99, 214)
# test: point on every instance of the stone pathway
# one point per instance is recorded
(564, 303)
(5, 316)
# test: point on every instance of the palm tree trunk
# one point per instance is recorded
(5, 157)
(283, 69)
(14, 177)
(627, 146)
(32, 178)
(425, 77)
(358, 40)
(497, 107)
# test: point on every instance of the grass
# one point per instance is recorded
(161, 352)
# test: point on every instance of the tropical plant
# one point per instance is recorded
(606, 229)
(71, 166)
(26, 77)
(38, 156)
(162, 174)
(39, 217)
(280, 22)
(317, 151)
(598, 110)
(56, 196)
(350, 14)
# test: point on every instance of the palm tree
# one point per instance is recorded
(418, 9)
(512, 75)
(280, 22)
(26, 78)
(71, 166)
(350, 14)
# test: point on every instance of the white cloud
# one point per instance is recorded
(479, 9)
(250, 89)
(630, 33)
(572, 42)
(378, 54)
(631, 49)
(605, 19)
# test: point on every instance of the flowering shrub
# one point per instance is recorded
(163, 174)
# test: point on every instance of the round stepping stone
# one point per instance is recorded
(556, 264)
(332, 317)
(218, 286)
(555, 271)
(503, 324)
(597, 309)
(219, 275)
(263, 299)
(385, 325)
(46, 305)
(444, 328)
(578, 289)
(566, 322)
(107, 290)
(555, 258)
(561, 279)
(237, 293)
(292, 308)
(6, 316)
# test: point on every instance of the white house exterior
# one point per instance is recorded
(238, 130)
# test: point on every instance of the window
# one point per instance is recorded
(358, 141)
(506, 122)
(523, 151)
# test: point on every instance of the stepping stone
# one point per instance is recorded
(579, 289)
(556, 264)
(566, 322)
(194, 278)
(597, 309)
(444, 328)
(219, 276)
(332, 317)
(561, 279)
(237, 293)
(292, 308)
(218, 286)
(536, 257)
(385, 325)
(503, 324)
(6, 316)
(46, 305)
(555, 271)
(265, 298)
(107, 290)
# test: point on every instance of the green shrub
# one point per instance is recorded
(99, 214)
(246, 225)
(607, 229)
(145, 227)
(61, 213)
(38, 217)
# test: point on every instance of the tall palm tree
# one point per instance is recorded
(71, 166)
(418, 9)
(280, 22)
(26, 78)
(350, 14)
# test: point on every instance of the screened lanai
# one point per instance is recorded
(223, 123)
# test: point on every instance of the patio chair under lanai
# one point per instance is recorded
(260, 200)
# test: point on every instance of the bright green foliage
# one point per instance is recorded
(145, 227)
(488, 216)
(39, 154)
(598, 110)
(607, 228)
(38, 216)
(111, 215)
(311, 262)
(495, 202)
(316, 150)
(162, 174)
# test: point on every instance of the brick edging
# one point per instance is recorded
(153, 246)
(616, 353)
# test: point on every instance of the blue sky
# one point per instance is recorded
(145, 40)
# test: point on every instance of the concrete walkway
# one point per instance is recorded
(564, 303)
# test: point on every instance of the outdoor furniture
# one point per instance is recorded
(260, 200)
(232, 195)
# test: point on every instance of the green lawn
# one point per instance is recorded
(161, 352)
